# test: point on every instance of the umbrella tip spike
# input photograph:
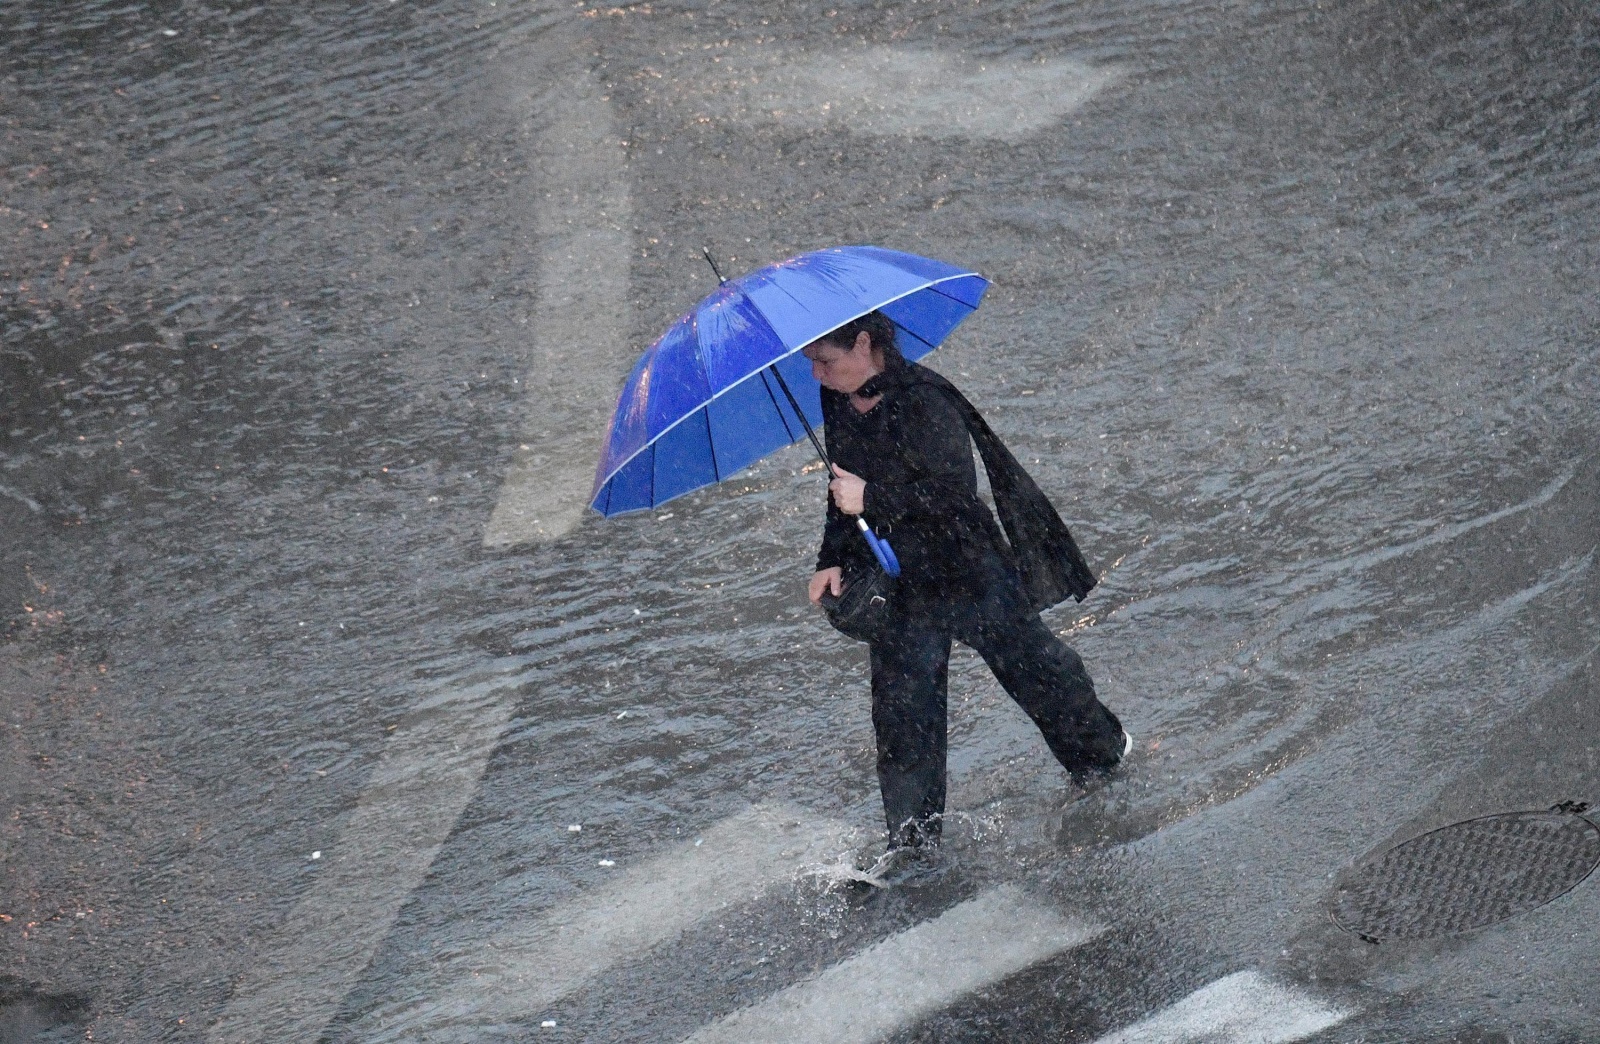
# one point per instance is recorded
(713, 263)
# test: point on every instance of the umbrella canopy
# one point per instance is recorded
(702, 403)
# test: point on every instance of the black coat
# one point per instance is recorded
(914, 449)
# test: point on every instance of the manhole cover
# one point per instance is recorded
(1469, 874)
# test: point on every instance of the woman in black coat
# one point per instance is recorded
(900, 437)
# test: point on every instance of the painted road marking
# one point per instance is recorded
(910, 975)
(430, 767)
(579, 338)
(427, 773)
(518, 975)
(1244, 1008)
(893, 91)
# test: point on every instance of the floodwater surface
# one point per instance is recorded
(329, 713)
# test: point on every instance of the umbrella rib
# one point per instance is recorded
(711, 444)
(935, 288)
(932, 285)
(768, 385)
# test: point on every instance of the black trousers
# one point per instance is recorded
(910, 677)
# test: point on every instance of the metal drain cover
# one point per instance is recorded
(1468, 875)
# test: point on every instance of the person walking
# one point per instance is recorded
(900, 437)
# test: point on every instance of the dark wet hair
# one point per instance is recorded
(875, 325)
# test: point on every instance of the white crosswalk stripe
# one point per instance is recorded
(427, 773)
(1243, 1008)
(909, 975)
(516, 976)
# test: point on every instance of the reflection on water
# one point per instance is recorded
(1295, 321)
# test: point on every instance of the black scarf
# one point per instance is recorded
(1046, 556)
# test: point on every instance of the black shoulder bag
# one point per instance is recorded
(864, 605)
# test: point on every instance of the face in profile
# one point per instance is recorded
(843, 369)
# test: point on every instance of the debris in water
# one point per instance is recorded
(548, 1024)
(576, 828)
(608, 862)
(316, 854)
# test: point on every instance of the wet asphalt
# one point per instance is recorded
(312, 662)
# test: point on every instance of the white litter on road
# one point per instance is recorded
(910, 975)
(1244, 1008)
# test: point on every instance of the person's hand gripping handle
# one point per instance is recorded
(848, 491)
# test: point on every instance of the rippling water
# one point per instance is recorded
(1295, 320)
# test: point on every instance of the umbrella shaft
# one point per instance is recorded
(798, 412)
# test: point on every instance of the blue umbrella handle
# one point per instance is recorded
(893, 568)
(880, 548)
(891, 562)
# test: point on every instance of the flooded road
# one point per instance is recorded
(329, 715)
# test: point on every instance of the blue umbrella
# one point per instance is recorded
(726, 385)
